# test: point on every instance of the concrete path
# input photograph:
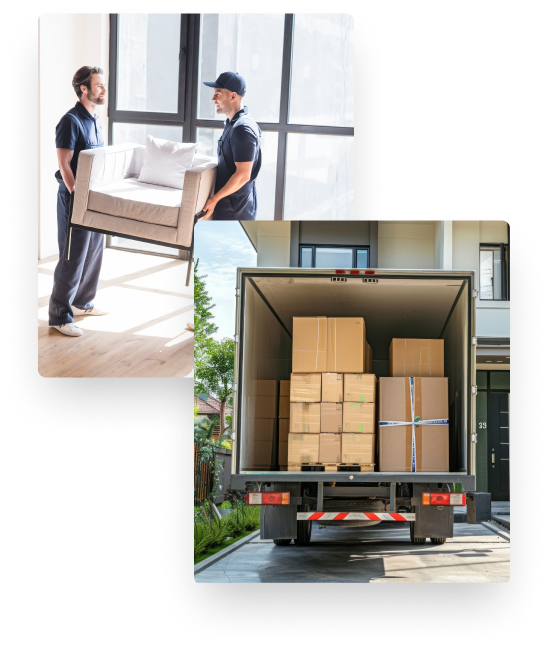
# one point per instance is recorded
(382, 553)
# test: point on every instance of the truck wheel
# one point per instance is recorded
(282, 542)
(304, 528)
(437, 540)
(417, 541)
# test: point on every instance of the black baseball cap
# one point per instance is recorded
(228, 81)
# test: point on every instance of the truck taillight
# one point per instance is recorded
(444, 499)
(340, 271)
(267, 498)
(369, 272)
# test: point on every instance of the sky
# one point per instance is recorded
(221, 247)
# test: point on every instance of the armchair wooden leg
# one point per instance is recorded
(190, 262)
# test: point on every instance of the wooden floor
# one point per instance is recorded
(142, 336)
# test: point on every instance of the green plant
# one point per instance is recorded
(214, 373)
(210, 532)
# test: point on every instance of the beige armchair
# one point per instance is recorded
(109, 198)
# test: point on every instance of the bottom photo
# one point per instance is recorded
(351, 402)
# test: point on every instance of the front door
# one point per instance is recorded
(499, 447)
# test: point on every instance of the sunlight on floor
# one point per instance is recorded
(170, 279)
(127, 309)
(171, 328)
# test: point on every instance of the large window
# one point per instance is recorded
(334, 256)
(299, 71)
(494, 279)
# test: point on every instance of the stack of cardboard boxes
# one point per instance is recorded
(332, 393)
(413, 409)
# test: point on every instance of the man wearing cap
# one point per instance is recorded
(239, 153)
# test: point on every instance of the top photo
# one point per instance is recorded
(156, 122)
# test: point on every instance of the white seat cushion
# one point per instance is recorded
(136, 200)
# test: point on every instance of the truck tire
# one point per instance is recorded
(282, 542)
(417, 541)
(437, 540)
(304, 528)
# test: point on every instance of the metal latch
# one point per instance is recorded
(474, 438)
(235, 387)
(233, 436)
(236, 338)
(474, 390)
(474, 341)
(237, 292)
(474, 292)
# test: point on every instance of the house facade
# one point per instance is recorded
(483, 246)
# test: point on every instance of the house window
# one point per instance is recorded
(494, 279)
(334, 256)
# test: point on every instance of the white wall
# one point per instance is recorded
(67, 42)
(406, 244)
(492, 318)
(274, 244)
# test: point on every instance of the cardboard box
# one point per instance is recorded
(283, 409)
(358, 448)
(360, 388)
(305, 417)
(345, 345)
(332, 387)
(264, 387)
(303, 448)
(431, 441)
(330, 448)
(309, 344)
(368, 358)
(306, 388)
(331, 417)
(283, 429)
(260, 441)
(419, 358)
(359, 418)
(264, 407)
(285, 387)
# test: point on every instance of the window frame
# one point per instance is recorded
(354, 249)
(504, 270)
(186, 116)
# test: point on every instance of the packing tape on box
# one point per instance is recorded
(414, 423)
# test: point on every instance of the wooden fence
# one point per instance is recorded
(203, 479)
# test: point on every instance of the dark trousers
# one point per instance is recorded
(241, 205)
(74, 281)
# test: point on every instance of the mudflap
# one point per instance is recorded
(431, 521)
(280, 522)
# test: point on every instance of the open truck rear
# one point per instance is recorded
(394, 304)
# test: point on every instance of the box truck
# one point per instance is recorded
(431, 304)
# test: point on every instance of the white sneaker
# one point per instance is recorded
(69, 329)
(88, 311)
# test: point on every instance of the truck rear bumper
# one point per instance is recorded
(377, 517)
(468, 481)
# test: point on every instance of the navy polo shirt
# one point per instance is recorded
(240, 142)
(78, 130)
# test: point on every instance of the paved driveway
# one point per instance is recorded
(378, 554)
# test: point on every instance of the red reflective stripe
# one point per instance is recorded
(371, 516)
(340, 516)
(315, 516)
(397, 517)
